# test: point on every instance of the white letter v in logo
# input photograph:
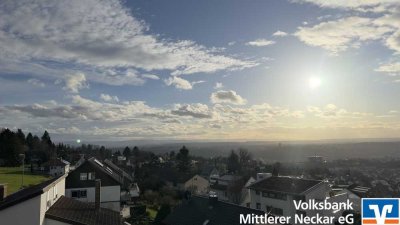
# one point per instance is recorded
(380, 218)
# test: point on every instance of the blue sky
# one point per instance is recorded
(201, 70)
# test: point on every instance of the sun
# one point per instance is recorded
(314, 82)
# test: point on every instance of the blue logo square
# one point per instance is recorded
(380, 211)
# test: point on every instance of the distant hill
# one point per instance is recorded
(285, 152)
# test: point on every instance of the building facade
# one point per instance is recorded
(275, 194)
(80, 184)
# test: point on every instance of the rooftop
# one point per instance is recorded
(105, 168)
(81, 213)
(288, 185)
(199, 211)
(28, 193)
(57, 162)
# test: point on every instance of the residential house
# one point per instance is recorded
(130, 190)
(197, 185)
(275, 194)
(57, 167)
(233, 189)
(214, 175)
(80, 184)
(246, 200)
(353, 193)
(125, 177)
(220, 186)
(29, 205)
(207, 211)
(45, 204)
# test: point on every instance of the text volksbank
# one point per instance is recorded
(311, 205)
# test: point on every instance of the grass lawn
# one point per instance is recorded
(152, 213)
(12, 177)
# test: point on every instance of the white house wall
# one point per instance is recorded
(51, 196)
(109, 196)
(24, 213)
(32, 211)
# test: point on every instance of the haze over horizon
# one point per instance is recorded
(273, 70)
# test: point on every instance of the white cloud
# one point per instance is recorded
(393, 41)
(390, 68)
(36, 82)
(331, 111)
(109, 98)
(280, 34)
(197, 110)
(96, 35)
(260, 43)
(339, 35)
(151, 76)
(75, 82)
(231, 43)
(358, 5)
(218, 85)
(230, 97)
(178, 83)
(94, 120)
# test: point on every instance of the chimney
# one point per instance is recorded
(97, 194)
(3, 191)
(212, 198)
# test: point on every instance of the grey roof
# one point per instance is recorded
(288, 185)
(105, 168)
(57, 162)
(118, 170)
(198, 210)
(28, 193)
(75, 212)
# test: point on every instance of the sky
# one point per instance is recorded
(227, 70)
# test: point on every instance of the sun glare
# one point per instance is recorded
(314, 82)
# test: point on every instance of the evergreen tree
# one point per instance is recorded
(127, 152)
(183, 159)
(233, 162)
(135, 151)
(46, 138)
(29, 141)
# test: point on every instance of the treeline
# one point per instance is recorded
(12, 144)
(38, 150)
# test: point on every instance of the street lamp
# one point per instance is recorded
(22, 158)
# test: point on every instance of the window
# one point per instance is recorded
(83, 176)
(257, 192)
(274, 195)
(79, 194)
(258, 205)
(83, 194)
(74, 194)
(91, 176)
